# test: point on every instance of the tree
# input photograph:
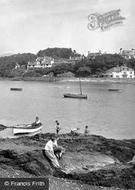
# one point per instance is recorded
(83, 71)
(57, 53)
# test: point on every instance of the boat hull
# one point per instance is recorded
(79, 96)
(16, 89)
(25, 131)
(113, 89)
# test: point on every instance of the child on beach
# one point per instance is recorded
(86, 130)
(58, 128)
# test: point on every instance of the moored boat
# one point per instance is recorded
(16, 89)
(27, 130)
(113, 89)
(79, 96)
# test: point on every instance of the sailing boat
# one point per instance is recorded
(79, 96)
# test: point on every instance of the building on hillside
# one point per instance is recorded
(127, 54)
(77, 58)
(93, 55)
(59, 61)
(17, 66)
(120, 72)
(41, 62)
(47, 62)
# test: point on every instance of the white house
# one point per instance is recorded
(17, 66)
(41, 62)
(94, 54)
(121, 72)
(127, 54)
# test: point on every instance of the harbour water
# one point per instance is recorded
(107, 113)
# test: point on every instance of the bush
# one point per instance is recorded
(31, 73)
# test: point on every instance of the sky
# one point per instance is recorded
(33, 25)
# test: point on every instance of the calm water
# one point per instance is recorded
(111, 114)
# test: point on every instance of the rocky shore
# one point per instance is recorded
(94, 162)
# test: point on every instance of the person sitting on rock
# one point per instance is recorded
(58, 150)
(86, 130)
(37, 122)
(52, 151)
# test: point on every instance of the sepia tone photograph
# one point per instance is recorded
(67, 94)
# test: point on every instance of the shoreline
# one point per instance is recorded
(72, 79)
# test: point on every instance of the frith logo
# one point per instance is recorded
(105, 21)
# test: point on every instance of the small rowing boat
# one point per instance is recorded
(16, 89)
(113, 89)
(79, 96)
(29, 129)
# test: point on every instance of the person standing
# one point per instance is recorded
(58, 128)
(86, 130)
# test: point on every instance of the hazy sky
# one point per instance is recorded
(32, 25)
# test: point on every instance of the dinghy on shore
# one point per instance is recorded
(24, 130)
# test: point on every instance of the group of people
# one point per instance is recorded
(55, 152)
(74, 131)
(52, 150)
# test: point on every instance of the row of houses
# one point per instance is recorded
(48, 62)
(119, 71)
(127, 54)
(41, 62)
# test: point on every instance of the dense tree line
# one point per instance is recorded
(8, 63)
(58, 53)
(84, 67)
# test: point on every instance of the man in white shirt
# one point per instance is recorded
(49, 151)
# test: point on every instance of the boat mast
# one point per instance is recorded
(80, 86)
